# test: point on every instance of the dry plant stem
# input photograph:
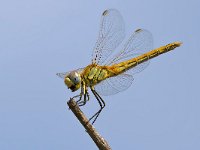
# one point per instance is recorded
(96, 137)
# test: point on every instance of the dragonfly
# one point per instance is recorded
(111, 73)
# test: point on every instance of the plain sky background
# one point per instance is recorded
(38, 38)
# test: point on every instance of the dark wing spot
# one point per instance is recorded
(138, 30)
(105, 12)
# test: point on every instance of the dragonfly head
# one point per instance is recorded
(73, 81)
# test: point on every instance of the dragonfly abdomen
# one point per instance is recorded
(128, 64)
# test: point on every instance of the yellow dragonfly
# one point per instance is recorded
(107, 76)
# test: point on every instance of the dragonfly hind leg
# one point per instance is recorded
(101, 103)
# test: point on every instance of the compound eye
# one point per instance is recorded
(76, 80)
(75, 77)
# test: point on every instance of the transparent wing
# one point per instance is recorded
(111, 34)
(114, 85)
(64, 74)
(140, 42)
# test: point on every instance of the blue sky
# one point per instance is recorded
(40, 38)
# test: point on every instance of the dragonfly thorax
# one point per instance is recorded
(73, 81)
(94, 74)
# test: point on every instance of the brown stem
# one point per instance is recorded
(96, 137)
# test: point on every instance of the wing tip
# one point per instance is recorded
(105, 13)
(59, 75)
(138, 30)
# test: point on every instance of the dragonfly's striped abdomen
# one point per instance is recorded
(126, 65)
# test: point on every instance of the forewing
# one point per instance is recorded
(114, 85)
(140, 42)
(111, 34)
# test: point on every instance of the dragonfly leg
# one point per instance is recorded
(86, 98)
(80, 97)
(101, 103)
(85, 94)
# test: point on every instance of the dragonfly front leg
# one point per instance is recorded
(85, 95)
(86, 98)
(80, 97)
(101, 103)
